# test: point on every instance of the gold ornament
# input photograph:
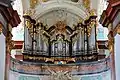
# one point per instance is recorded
(0, 28)
(92, 12)
(86, 3)
(118, 29)
(9, 43)
(28, 24)
(29, 12)
(80, 20)
(60, 27)
(111, 44)
(33, 3)
(89, 31)
(44, 0)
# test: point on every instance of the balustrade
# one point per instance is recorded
(75, 69)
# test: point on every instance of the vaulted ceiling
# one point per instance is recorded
(49, 12)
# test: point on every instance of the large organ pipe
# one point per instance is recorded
(34, 39)
(82, 41)
(27, 39)
(92, 39)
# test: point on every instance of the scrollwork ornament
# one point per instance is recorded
(9, 43)
(29, 12)
(118, 30)
(33, 3)
(28, 24)
(111, 41)
(86, 3)
(92, 23)
(111, 44)
(92, 12)
(44, 0)
(89, 32)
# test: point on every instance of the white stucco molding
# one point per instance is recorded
(74, 8)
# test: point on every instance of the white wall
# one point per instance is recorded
(18, 76)
(100, 76)
(2, 56)
(117, 56)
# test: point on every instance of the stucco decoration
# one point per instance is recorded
(33, 3)
(75, 8)
(53, 17)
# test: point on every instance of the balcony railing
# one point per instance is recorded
(82, 68)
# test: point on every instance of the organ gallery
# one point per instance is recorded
(59, 39)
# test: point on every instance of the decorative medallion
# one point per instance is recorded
(60, 27)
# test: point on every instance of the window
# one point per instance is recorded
(18, 32)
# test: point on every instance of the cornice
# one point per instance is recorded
(0, 28)
(116, 30)
(109, 14)
(11, 16)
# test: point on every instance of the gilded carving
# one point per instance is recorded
(118, 29)
(0, 28)
(86, 3)
(33, 3)
(28, 24)
(89, 31)
(9, 42)
(60, 75)
(60, 27)
(93, 12)
(29, 12)
(111, 44)
(44, 0)
(80, 20)
(91, 25)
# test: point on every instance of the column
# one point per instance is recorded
(112, 54)
(9, 47)
(2, 56)
(117, 51)
(117, 56)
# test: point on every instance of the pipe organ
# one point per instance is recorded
(60, 40)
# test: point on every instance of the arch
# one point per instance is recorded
(72, 8)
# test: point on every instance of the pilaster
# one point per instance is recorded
(112, 54)
(9, 47)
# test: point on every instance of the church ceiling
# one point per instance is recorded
(51, 18)
(40, 7)
(50, 12)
